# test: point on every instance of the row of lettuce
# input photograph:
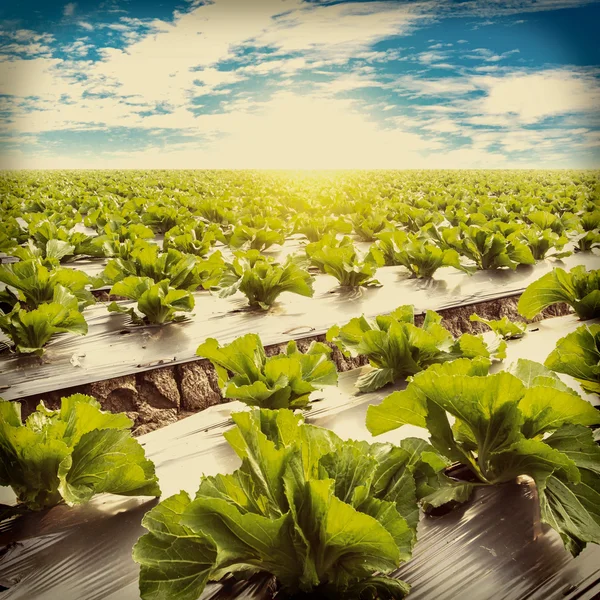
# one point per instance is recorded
(320, 514)
(40, 301)
(420, 221)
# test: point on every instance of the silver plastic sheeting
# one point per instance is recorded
(488, 549)
(112, 348)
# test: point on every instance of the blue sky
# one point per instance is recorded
(300, 84)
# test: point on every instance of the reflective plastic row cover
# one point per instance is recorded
(113, 349)
(491, 548)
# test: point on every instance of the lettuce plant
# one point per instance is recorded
(160, 218)
(397, 348)
(285, 380)
(70, 454)
(31, 330)
(421, 258)
(262, 281)
(250, 238)
(488, 249)
(49, 254)
(590, 221)
(314, 228)
(543, 219)
(415, 218)
(188, 242)
(158, 303)
(543, 243)
(122, 230)
(525, 422)
(387, 247)
(37, 284)
(49, 237)
(504, 327)
(578, 355)
(341, 260)
(579, 288)
(367, 226)
(325, 517)
(588, 241)
(146, 260)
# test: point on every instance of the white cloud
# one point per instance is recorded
(429, 58)
(444, 86)
(341, 29)
(170, 64)
(488, 56)
(69, 9)
(533, 96)
(25, 42)
(79, 48)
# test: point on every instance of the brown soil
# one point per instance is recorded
(164, 395)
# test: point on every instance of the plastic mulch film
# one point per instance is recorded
(490, 548)
(113, 348)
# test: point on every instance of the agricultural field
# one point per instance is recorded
(280, 384)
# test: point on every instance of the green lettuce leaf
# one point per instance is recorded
(573, 508)
(503, 327)
(320, 514)
(397, 348)
(157, 302)
(578, 355)
(281, 381)
(500, 432)
(340, 260)
(31, 330)
(263, 281)
(175, 562)
(36, 284)
(68, 455)
(579, 288)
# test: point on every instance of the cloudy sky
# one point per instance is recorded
(299, 84)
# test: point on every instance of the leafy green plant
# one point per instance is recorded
(158, 303)
(578, 355)
(122, 230)
(341, 260)
(315, 228)
(415, 218)
(421, 258)
(387, 246)
(188, 242)
(58, 242)
(31, 330)
(146, 260)
(160, 218)
(36, 284)
(262, 281)
(590, 221)
(588, 241)
(325, 517)
(488, 249)
(543, 243)
(543, 219)
(397, 348)
(50, 254)
(71, 454)
(281, 381)
(507, 425)
(579, 288)
(504, 327)
(250, 238)
(367, 226)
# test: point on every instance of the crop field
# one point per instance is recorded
(300, 384)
